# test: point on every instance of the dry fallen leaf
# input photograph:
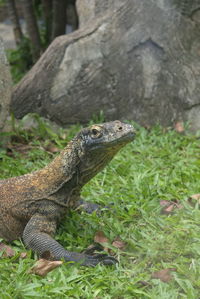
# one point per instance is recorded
(101, 239)
(193, 199)
(169, 209)
(23, 255)
(118, 243)
(43, 267)
(196, 196)
(170, 205)
(52, 148)
(165, 203)
(7, 251)
(164, 275)
(64, 136)
(21, 148)
(179, 127)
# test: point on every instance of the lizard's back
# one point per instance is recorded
(17, 194)
(20, 196)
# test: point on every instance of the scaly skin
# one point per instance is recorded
(32, 205)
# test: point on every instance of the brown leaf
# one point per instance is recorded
(7, 251)
(179, 127)
(169, 209)
(170, 205)
(64, 136)
(43, 267)
(165, 203)
(23, 255)
(118, 243)
(52, 148)
(193, 199)
(101, 239)
(164, 275)
(196, 196)
(21, 148)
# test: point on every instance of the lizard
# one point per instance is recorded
(33, 205)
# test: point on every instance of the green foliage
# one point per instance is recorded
(97, 118)
(2, 3)
(159, 164)
(20, 60)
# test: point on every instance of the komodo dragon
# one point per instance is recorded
(32, 205)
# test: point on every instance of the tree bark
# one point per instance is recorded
(12, 10)
(59, 18)
(32, 28)
(72, 17)
(5, 86)
(47, 6)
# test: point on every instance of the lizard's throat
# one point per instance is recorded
(91, 165)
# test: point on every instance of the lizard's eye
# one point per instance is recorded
(96, 133)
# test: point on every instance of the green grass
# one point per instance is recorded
(158, 165)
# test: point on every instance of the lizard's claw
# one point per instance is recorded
(93, 260)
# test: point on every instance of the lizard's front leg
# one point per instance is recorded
(87, 206)
(37, 236)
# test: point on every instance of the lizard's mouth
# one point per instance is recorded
(115, 143)
(124, 139)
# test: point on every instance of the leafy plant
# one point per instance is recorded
(20, 60)
(97, 118)
(2, 3)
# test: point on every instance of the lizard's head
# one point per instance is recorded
(99, 143)
(108, 137)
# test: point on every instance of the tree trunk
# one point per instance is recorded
(12, 10)
(72, 17)
(5, 86)
(47, 6)
(139, 61)
(32, 28)
(59, 18)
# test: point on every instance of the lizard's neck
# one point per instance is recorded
(91, 164)
(60, 170)
(73, 168)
